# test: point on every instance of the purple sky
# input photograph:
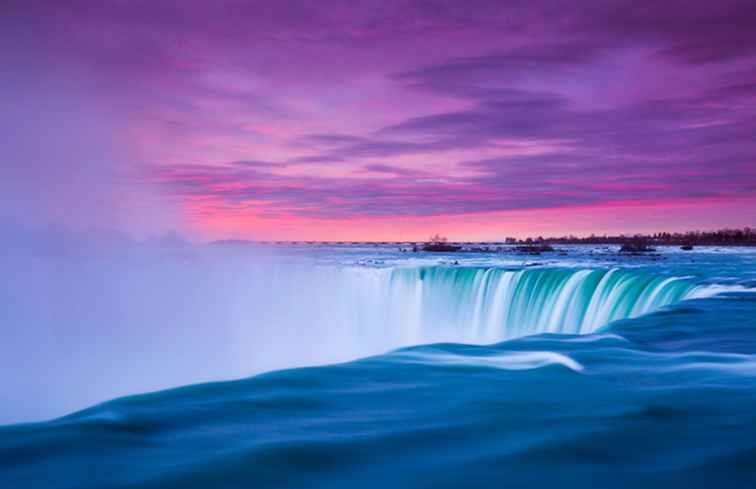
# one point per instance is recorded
(391, 120)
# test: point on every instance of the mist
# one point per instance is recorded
(89, 318)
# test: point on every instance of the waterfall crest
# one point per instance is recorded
(490, 304)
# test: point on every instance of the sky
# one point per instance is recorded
(378, 120)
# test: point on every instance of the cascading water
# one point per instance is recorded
(379, 309)
(227, 316)
(484, 305)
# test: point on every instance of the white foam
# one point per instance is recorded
(590, 338)
(706, 291)
(514, 360)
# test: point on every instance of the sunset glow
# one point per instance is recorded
(269, 121)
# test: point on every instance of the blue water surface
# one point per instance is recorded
(665, 399)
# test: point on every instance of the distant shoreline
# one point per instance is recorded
(455, 243)
(745, 237)
(241, 242)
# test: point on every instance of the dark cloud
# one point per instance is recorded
(393, 170)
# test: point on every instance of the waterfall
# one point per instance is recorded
(335, 313)
(488, 304)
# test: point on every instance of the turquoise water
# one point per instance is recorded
(495, 304)
(582, 370)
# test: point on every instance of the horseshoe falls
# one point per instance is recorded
(366, 366)
(486, 304)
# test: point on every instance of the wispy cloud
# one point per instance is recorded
(412, 108)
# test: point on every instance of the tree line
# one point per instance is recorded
(721, 237)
